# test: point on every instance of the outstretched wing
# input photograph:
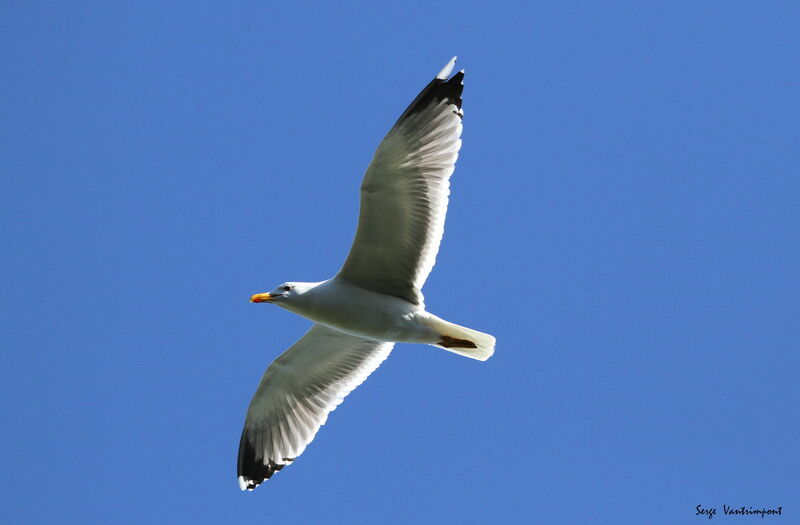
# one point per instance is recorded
(295, 395)
(404, 194)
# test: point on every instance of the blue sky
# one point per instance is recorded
(623, 219)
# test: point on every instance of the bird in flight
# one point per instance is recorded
(375, 300)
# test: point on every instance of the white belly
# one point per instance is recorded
(357, 311)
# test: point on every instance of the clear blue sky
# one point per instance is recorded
(624, 219)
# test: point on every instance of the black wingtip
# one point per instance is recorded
(253, 471)
(438, 89)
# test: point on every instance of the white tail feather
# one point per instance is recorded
(484, 343)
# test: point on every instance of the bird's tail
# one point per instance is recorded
(461, 340)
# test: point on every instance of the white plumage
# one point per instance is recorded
(375, 300)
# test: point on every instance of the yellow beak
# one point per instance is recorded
(261, 298)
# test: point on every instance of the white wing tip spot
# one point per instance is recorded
(243, 484)
(446, 70)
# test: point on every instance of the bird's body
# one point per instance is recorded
(375, 300)
(357, 311)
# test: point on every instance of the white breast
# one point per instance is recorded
(357, 311)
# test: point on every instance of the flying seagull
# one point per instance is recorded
(375, 300)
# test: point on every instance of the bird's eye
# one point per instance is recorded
(287, 288)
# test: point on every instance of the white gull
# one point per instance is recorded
(375, 299)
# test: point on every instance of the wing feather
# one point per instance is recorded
(296, 394)
(405, 192)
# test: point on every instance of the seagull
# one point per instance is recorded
(375, 300)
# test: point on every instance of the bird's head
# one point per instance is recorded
(284, 293)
